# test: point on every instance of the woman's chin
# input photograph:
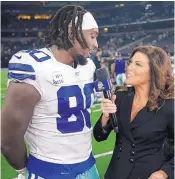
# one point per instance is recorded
(128, 83)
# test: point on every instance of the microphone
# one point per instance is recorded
(104, 84)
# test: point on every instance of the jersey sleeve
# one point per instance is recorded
(21, 68)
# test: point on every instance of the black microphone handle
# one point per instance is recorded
(114, 120)
(107, 94)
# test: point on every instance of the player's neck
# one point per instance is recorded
(61, 55)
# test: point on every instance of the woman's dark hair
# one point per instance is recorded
(58, 33)
(161, 75)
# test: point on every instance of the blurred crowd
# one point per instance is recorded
(109, 45)
(10, 47)
(28, 34)
(129, 41)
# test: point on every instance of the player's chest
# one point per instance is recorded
(61, 75)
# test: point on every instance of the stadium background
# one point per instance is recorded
(123, 25)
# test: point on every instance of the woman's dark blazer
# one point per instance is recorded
(138, 147)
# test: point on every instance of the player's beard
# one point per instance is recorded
(79, 59)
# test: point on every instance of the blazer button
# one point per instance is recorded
(120, 149)
(131, 160)
(133, 145)
(121, 142)
(118, 157)
(132, 153)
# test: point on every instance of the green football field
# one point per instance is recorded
(8, 172)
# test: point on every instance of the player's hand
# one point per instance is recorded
(158, 175)
(107, 107)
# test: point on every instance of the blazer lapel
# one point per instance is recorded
(142, 117)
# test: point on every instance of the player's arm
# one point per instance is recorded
(17, 112)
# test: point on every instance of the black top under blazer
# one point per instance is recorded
(138, 147)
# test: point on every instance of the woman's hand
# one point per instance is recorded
(158, 175)
(107, 107)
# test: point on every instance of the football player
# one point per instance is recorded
(50, 92)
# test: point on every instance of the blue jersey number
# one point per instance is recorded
(38, 55)
(43, 57)
(72, 110)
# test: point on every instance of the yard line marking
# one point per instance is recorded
(97, 110)
(3, 96)
(95, 105)
(3, 89)
(103, 154)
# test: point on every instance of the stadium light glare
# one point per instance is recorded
(106, 29)
(122, 5)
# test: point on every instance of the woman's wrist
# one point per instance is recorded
(104, 120)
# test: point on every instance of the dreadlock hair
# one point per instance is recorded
(58, 33)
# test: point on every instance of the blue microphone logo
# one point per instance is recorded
(100, 86)
(103, 85)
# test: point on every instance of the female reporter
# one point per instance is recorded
(145, 115)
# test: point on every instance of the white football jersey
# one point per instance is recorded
(60, 129)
